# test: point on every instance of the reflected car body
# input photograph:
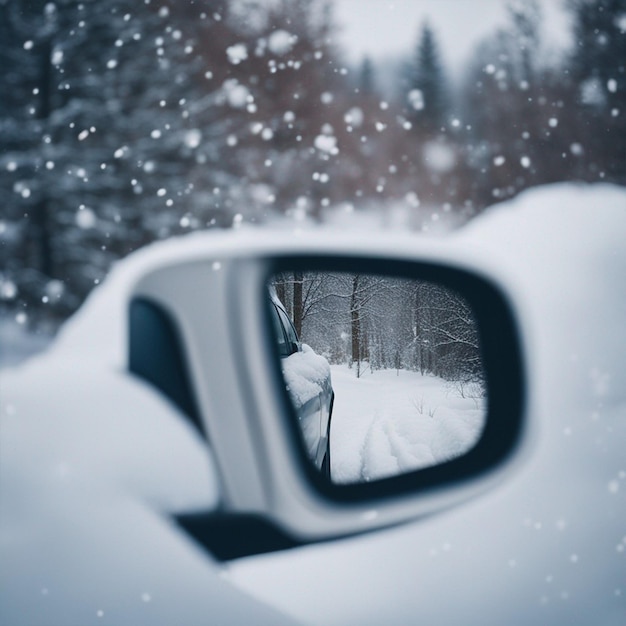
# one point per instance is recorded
(308, 381)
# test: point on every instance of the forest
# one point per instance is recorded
(125, 122)
(381, 322)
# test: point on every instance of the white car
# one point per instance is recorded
(168, 460)
(125, 498)
(308, 381)
(161, 416)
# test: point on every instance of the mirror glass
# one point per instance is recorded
(385, 374)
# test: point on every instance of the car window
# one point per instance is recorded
(279, 331)
(290, 331)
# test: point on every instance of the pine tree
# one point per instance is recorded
(366, 83)
(112, 136)
(597, 69)
(508, 107)
(27, 34)
(427, 93)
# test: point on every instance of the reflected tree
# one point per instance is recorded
(376, 322)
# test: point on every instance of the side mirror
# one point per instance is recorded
(391, 378)
(407, 395)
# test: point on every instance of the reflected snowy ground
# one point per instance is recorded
(390, 422)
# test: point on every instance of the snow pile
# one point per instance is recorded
(108, 431)
(306, 375)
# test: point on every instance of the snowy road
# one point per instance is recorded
(390, 422)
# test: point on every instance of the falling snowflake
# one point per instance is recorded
(416, 99)
(237, 53)
(236, 94)
(439, 156)
(327, 144)
(281, 42)
(85, 218)
(193, 138)
(354, 117)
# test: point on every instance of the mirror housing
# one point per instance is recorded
(232, 392)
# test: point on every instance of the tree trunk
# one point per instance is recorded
(40, 218)
(297, 302)
(280, 291)
(355, 325)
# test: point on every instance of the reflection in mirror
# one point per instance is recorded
(384, 374)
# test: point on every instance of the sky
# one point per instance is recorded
(388, 28)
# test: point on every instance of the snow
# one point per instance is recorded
(86, 218)
(85, 498)
(439, 156)
(16, 344)
(416, 99)
(193, 138)
(8, 290)
(354, 117)
(82, 492)
(99, 448)
(237, 94)
(390, 422)
(306, 374)
(280, 42)
(237, 53)
(327, 143)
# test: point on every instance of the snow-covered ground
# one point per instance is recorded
(390, 422)
(80, 541)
